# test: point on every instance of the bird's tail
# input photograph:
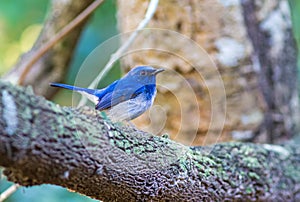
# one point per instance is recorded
(89, 93)
(74, 88)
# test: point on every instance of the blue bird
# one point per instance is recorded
(126, 98)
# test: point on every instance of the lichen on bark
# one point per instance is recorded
(82, 150)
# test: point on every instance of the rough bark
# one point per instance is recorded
(53, 65)
(42, 143)
(255, 56)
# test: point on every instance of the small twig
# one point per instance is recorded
(114, 57)
(9, 191)
(62, 33)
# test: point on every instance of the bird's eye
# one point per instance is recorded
(143, 73)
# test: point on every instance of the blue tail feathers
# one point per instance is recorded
(74, 88)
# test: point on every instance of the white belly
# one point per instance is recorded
(130, 109)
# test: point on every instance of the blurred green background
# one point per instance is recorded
(20, 24)
(295, 15)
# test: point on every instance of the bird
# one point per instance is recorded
(124, 99)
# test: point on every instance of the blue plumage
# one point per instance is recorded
(124, 99)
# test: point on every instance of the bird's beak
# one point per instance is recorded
(158, 71)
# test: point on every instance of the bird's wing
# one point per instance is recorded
(102, 92)
(117, 96)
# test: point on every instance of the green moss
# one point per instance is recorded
(165, 135)
(198, 165)
(224, 176)
(111, 133)
(149, 147)
(242, 173)
(103, 115)
(26, 113)
(251, 162)
(119, 144)
(127, 144)
(232, 183)
(249, 190)
(282, 186)
(254, 175)
(208, 160)
(221, 173)
(183, 164)
(138, 150)
(207, 172)
(227, 156)
(292, 172)
(53, 107)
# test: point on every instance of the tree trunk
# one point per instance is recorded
(243, 79)
(42, 143)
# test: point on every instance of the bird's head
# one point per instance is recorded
(144, 74)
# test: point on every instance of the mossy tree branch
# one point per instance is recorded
(42, 143)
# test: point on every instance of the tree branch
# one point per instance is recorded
(80, 149)
(57, 37)
(51, 67)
